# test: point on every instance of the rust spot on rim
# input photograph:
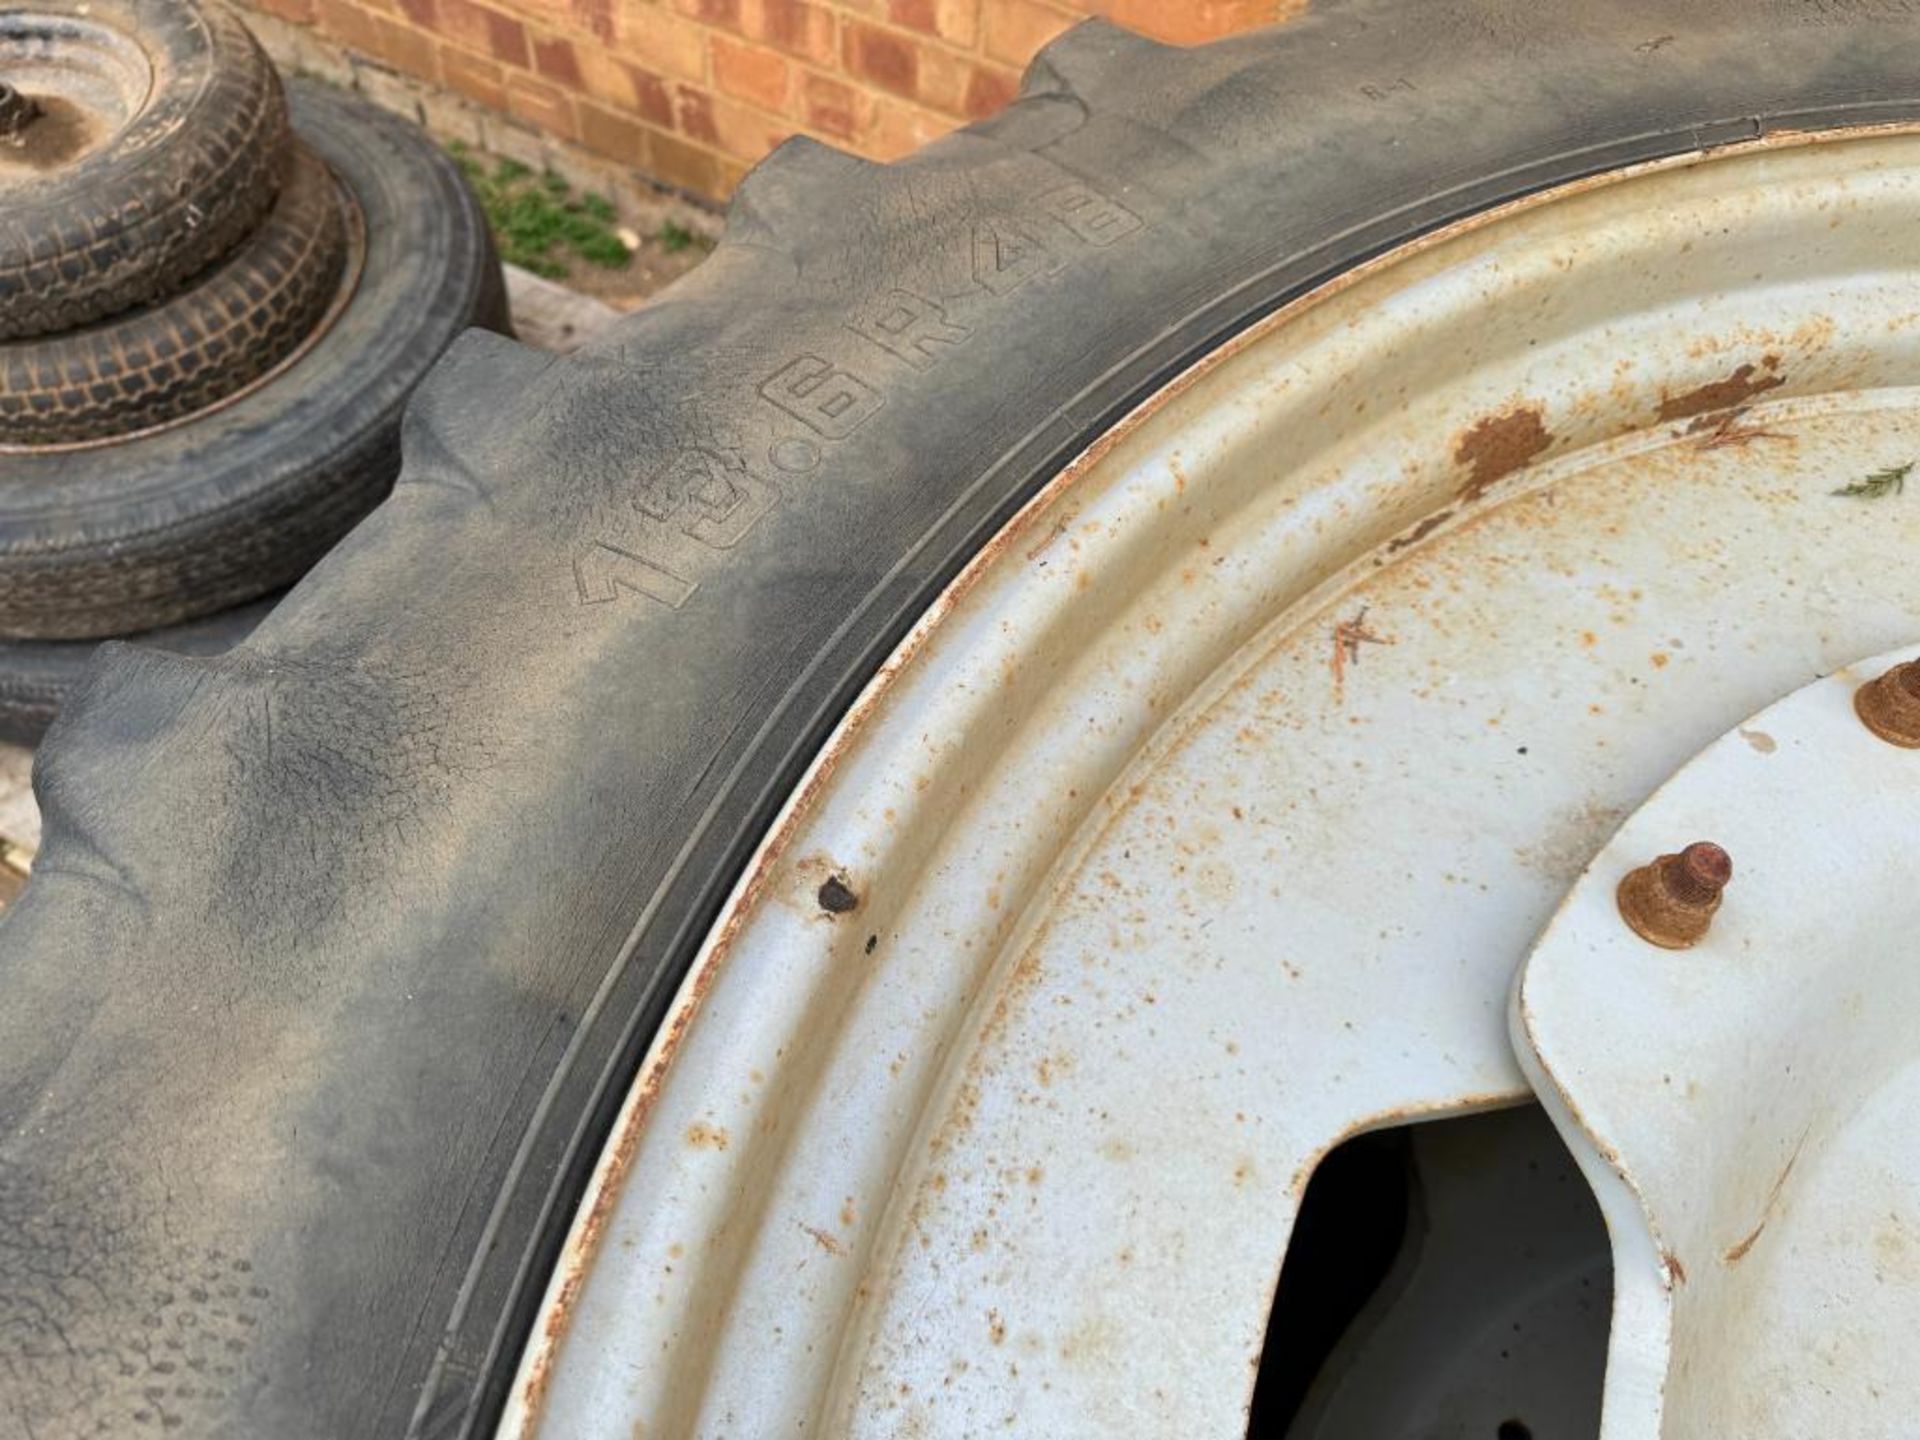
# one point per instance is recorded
(1495, 447)
(1676, 1272)
(1728, 428)
(1419, 532)
(1737, 389)
(1348, 637)
(824, 1239)
(702, 1136)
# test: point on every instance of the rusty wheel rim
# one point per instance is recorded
(1205, 820)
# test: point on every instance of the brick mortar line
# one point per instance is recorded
(302, 49)
(487, 55)
(794, 119)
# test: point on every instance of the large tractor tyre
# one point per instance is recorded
(343, 947)
(37, 676)
(180, 355)
(199, 515)
(140, 141)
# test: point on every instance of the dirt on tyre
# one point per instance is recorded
(140, 141)
(439, 841)
(210, 509)
(176, 357)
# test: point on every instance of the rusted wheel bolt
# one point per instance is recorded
(15, 110)
(1890, 706)
(1671, 902)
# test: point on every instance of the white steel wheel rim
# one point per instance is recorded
(1745, 1110)
(1206, 818)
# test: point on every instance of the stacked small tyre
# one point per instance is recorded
(216, 294)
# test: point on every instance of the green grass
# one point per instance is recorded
(538, 222)
(675, 237)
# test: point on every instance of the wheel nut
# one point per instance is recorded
(15, 111)
(1890, 706)
(1671, 902)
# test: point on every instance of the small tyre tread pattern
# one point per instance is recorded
(169, 360)
(180, 521)
(112, 235)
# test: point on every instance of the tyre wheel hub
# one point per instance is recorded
(71, 85)
(16, 111)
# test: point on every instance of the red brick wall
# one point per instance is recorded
(692, 92)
